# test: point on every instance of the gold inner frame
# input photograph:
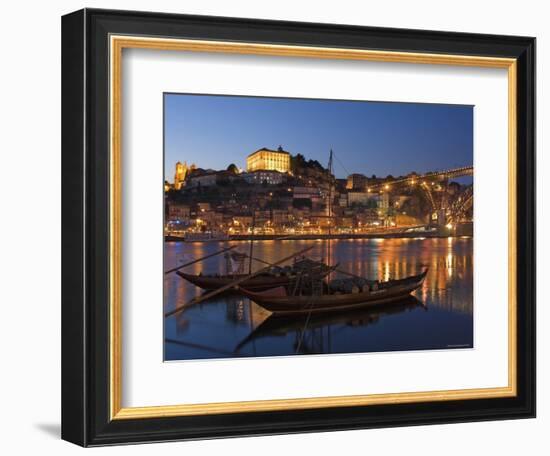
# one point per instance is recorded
(117, 44)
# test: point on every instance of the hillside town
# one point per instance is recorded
(281, 193)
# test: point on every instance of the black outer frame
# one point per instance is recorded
(85, 227)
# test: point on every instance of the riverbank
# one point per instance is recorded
(313, 237)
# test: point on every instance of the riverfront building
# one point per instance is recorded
(178, 212)
(267, 177)
(356, 182)
(361, 198)
(268, 160)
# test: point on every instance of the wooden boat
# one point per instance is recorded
(272, 278)
(282, 303)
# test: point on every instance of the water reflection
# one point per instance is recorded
(308, 332)
(215, 328)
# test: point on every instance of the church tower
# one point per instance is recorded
(179, 177)
(182, 171)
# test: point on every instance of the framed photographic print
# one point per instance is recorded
(276, 227)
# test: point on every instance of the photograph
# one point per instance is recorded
(299, 226)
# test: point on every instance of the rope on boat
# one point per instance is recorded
(200, 259)
(299, 345)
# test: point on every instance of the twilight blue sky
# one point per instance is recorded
(366, 137)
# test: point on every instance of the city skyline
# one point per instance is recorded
(371, 137)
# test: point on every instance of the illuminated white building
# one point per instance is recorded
(268, 160)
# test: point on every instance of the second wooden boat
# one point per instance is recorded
(281, 302)
(273, 278)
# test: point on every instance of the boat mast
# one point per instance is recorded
(329, 210)
(251, 248)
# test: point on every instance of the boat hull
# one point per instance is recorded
(282, 305)
(258, 283)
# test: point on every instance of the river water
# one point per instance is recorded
(440, 316)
